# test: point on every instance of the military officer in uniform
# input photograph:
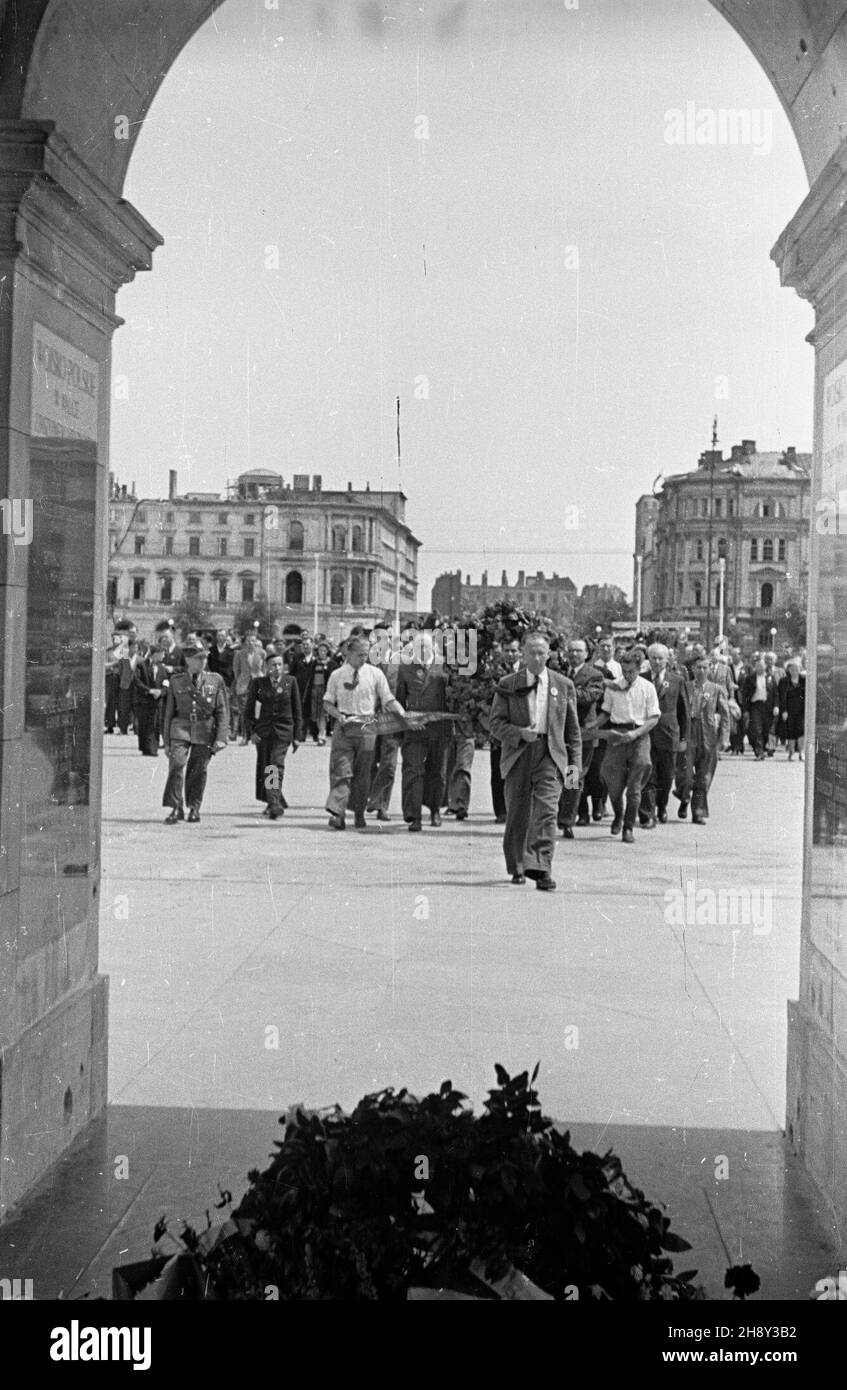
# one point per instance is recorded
(196, 726)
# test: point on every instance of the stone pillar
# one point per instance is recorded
(66, 245)
(812, 257)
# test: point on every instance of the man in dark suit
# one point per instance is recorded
(589, 687)
(302, 667)
(151, 688)
(667, 738)
(277, 727)
(508, 661)
(534, 719)
(708, 731)
(422, 686)
(760, 702)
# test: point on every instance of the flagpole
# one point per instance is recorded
(397, 537)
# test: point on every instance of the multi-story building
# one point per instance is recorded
(750, 510)
(553, 597)
(327, 559)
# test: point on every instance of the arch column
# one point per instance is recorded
(812, 258)
(66, 245)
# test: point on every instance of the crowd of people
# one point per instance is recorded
(578, 731)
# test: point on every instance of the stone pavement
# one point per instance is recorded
(257, 963)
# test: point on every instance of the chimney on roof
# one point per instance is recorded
(791, 454)
(485, 579)
(317, 482)
(539, 575)
(737, 452)
(749, 446)
(349, 487)
(504, 582)
(521, 579)
(171, 484)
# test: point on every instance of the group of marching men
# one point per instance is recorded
(568, 729)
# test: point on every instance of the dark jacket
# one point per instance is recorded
(510, 714)
(589, 687)
(303, 672)
(221, 661)
(672, 728)
(748, 690)
(148, 677)
(280, 716)
(711, 728)
(422, 687)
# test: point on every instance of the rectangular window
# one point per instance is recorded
(169, 518)
(730, 507)
(704, 506)
(169, 545)
(754, 549)
(222, 583)
(192, 587)
(139, 545)
(194, 518)
(166, 594)
(223, 518)
(249, 546)
(222, 545)
(141, 518)
(250, 519)
(781, 543)
(138, 590)
(248, 590)
(112, 592)
(194, 545)
(718, 506)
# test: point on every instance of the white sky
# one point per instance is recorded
(550, 387)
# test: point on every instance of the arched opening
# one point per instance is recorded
(36, 91)
(767, 595)
(296, 535)
(294, 587)
(336, 590)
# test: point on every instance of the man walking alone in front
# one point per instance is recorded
(630, 711)
(534, 719)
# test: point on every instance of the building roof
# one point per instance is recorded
(768, 465)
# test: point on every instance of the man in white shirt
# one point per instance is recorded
(605, 658)
(630, 710)
(355, 692)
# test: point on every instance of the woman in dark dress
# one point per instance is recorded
(320, 676)
(277, 727)
(792, 709)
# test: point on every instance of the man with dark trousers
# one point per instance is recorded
(588, 684)
(534, 719)
(508, 662)
(151, 689)
(629, 714)
(760, 702)
(196, 726)
(277, 727)
(668, 738)
(708, 731)
(422, 686)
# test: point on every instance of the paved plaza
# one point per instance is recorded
(254, 963)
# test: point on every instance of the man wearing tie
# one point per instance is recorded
(709, 731)
(508, 662)
(668, 738)
(534, 719)
(151, 688)
(588, 684)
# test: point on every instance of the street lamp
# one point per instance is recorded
(773, 638)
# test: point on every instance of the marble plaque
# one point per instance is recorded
(65, 389)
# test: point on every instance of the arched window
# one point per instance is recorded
(339, 539)
(295, 535)
(294, 587)
(336, 591)
(767, 595)
(356, 591)
(767, 549)
(722, 548)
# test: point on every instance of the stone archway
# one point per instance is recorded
(68, 242)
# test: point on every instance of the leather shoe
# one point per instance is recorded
(627, 838)
(698, 820)
(683, 810)
(382, 815)
(193, 816)
(583, 820)
(461, 815)
(663, 817)
(616, 826)
(649, 824)
(175, 815)
(519, 878)
(567, 832)
(501, 820)
(597, 815)
(337, 823)
(435, 817)
(546, 885)
(361, 823)
(274, 812)
(414, 825)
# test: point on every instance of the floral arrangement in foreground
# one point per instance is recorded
(421, 1198)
